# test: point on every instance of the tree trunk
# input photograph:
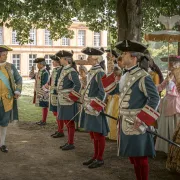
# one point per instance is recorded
(129, 19)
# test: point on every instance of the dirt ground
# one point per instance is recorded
(34, 155)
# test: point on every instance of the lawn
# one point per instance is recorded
(27, 110)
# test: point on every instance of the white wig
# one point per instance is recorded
(99, 58)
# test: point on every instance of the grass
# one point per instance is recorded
(28, 111)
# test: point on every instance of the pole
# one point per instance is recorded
(130, 121)
(147, 130)
(161, 137)
(102, 113)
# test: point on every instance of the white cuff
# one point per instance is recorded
(17, 92)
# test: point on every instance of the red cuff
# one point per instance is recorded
(148, 115)
(109, 82)
(74, 96)
(97, 104)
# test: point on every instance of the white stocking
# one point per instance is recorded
(3, 131)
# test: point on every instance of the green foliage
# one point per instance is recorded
(153, 9)
(56, 15)
(23, 15)
(159, 50)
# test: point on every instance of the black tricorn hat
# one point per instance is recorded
(54, 57)
(4, 48)
(92, 51)
(114, 53)
(171, 58)
(131, 46)
(64, 53)
(38, 60)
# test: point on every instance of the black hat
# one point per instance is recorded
(38, 60)
(4, 48)
(171, 59)
(131, 46)
(114, 53)
(64, 53)
(92, 51)
(54, 58)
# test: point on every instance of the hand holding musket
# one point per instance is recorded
(32, 73)
(144, 127)
(117, 71)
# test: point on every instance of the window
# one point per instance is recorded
(82, 57)
(48, 59)
(32, 57)
(81, 38)
(32, 35)
(97, 39)
(65, 41)
(16, 60)
(48, 41)
(1, 35)
(14, 35)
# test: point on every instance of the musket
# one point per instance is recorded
(102, 113)
(154, 133)
(73, 117)
(147, 130)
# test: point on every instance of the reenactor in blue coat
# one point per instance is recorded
(138, 102)
(10, 90)
(93, 97)
(41, 93)
(68, 93)
(53, 99)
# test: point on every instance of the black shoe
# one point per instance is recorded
(63, 146)
(4, 149)
(96, 164)
(54, 133)
(86, 163)
(68, 147)
(40, 123)
(58, 135)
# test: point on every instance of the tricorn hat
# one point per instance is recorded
(64, 53)
(39, 59)
(91, 51)
(131, 46)
(114, 53)
(171, 58)
(4, 48)
(54, 57)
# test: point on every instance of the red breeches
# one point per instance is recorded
(99, 145)
(141, 167)
(71, 130)
(44, 114)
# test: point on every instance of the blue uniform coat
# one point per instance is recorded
(67, 82)
(53, 88)
(94, 89)
(42, 78)
(142, 92)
